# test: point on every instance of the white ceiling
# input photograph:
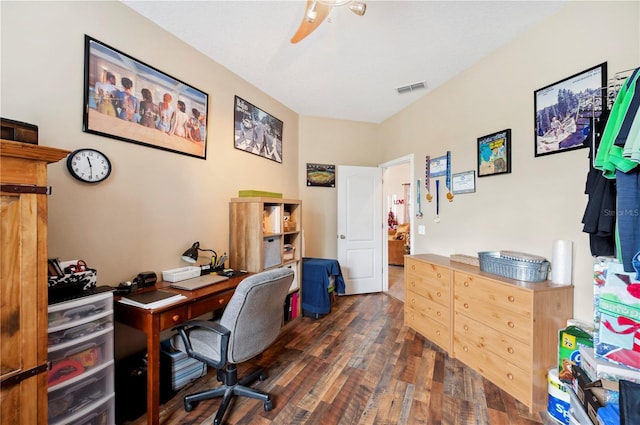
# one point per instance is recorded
(350, 67)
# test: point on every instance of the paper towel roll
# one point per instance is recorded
(561, 262)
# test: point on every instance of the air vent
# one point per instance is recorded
(411, 87)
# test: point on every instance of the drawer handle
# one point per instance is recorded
(438, 314)
(438, 332)
(439, 294)
(175, 318)
(465, 349)
(413, 284)
(413, 267)
(466, 327)
(220, 300)
(438, 275)
(510, 350)
(511, 324)
(466, 283)
(511, 298)
(466, 305)
(510, 376)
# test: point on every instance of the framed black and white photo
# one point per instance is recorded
(128, 100)
(256, 131)
(566, 110)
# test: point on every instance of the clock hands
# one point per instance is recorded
(90, 168)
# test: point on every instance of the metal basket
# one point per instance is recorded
(527, 271)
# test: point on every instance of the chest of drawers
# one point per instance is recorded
(428, 301)
(504, 329)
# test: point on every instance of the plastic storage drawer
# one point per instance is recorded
(102, 414)
(88, 393)
(75, 361)
(77, 312)
(66, 335)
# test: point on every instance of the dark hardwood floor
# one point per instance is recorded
(358, 365)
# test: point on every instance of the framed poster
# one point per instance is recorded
(323, 175)
(128, 100)
(256, 131)
(494, 153)
(566, 110)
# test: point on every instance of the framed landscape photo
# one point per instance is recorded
(323, 175)
(494, 153)
(566, 110)
(128, 100)
(256, 131)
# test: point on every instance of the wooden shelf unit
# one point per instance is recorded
(506, 330)
(23, 273)
(259, 231)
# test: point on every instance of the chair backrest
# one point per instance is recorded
(254, 314)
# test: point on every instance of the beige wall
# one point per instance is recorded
(542, 199)
(157, 203)
(338, 142)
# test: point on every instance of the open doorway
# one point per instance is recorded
(398, 190)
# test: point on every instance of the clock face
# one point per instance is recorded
(89, 165)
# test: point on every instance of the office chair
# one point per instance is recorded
(249, 324)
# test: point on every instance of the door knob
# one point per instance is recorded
(343, 237)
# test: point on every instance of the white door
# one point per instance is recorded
(360, 228)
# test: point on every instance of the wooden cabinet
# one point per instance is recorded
(504, 329)
(23, 281)
(265, 233)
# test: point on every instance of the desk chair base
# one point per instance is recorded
(230, 388)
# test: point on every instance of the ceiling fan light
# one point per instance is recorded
(358, 7)
(312, 13)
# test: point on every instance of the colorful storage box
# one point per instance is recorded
(619, 317)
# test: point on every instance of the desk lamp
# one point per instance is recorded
(191, 255)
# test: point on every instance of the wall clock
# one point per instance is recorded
(89, 165)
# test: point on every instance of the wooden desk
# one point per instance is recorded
(152, 322)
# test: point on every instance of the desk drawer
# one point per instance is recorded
(208, 305)
(174, 317)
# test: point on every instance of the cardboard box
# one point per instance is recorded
(587, 398)
(602, 369)
(570, 339)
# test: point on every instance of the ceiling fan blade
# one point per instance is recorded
(306, 27)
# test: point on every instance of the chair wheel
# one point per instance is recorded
(268, 406)
(263, 376)
(189, 406)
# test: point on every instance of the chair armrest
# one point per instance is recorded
(214, 327)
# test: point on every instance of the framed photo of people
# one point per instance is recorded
(256, 131)
(566, 110)
(128, 100)
(494, 153)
